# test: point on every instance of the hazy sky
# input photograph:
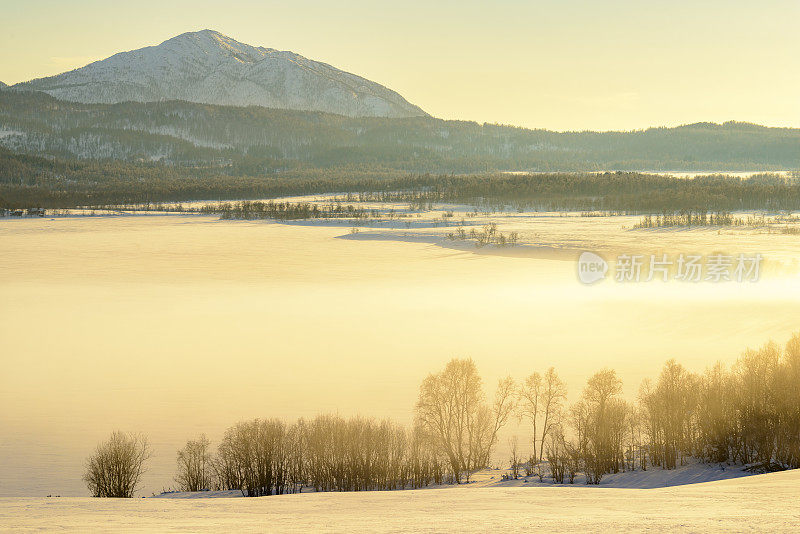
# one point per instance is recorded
(565, 64)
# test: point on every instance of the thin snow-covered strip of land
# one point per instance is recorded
(755, 503)
(654, 477)
(692, 472)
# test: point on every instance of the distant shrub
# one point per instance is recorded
(117, 465)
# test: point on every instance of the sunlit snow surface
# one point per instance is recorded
(761, 503)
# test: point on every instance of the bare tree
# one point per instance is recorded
(557, 458)
(789, 404)
(604, 425)
(194, 465)
(117, 465)
(756, 377)
(513, 447)
(503, 407)
(452, 410)
(530, 395)
(554, 393)
(670, 407)
(540, 402)
(573, 460)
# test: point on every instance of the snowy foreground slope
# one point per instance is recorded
(754, 503)
(210, 68)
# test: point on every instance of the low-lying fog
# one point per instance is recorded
(174, 325)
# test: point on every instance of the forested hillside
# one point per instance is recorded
(35, 181)
(255, 141)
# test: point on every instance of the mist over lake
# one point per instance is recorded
(176, 325)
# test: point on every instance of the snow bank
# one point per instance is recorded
(692, 473)
(198, 494)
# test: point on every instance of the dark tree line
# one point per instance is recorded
(32, 181)
(689, 218)
(283, 210)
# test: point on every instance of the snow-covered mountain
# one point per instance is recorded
(211, 68)
(2, 85)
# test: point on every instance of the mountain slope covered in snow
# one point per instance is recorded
(210, 68)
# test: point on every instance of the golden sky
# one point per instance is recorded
(564, 65)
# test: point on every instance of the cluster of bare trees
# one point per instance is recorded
(540, 402)
(328, 453)
(596, 426)
(748, 415)
(454, 433)
(452, 410)
(599, 420)
(258, 458)
(364, 454)
(196, 469)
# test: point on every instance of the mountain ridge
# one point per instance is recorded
(208, 67)
(264, 141)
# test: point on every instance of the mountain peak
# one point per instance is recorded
(209, 67)
(214, 42)
(207, 35)
(207, 31)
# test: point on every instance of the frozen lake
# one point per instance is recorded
(174, 325)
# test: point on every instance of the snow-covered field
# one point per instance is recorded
(760, 503)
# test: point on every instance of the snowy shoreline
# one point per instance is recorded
(693, 472)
